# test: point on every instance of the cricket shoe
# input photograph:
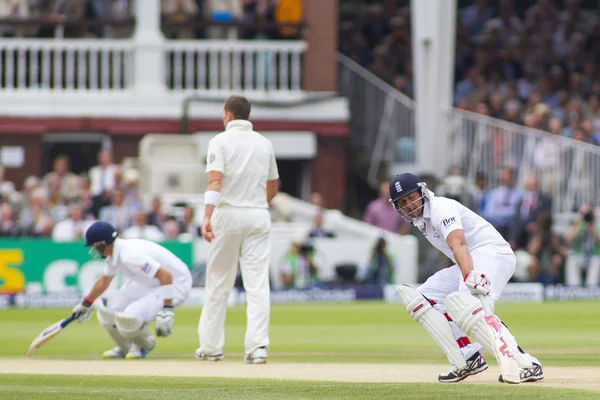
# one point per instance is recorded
(136, 352)
(114, 353)
(475, 365)
(532, 374)
(202, 356)
(258, 356)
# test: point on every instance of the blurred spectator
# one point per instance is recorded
(156, 216)
(532, 203)
(72, 228)
(131, 192)
(318, 231)
(288, 12)
(14, 9)
(226, 11)
(188, 225)
(299, 269)
(114, 9)
(381, 213)
(548, 156)
(479, 191)
(172, 231)
(35, 219)
(24, 198)
(102, 176)
(455, 186)
(87, 203)
(142, 230)
(583, 239)
(381, 265)
(501, 203)
(8, 224)
(117, 213)
(63, 184)
(474, 17)
(61, 11)
(547, 252)
(179, 11)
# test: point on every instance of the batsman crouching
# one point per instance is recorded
(446, 305)
(158, 282)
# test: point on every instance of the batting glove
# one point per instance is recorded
(83, 311)
(164, 321)
(477, 283)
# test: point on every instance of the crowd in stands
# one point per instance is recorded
(179, 17)
(535, 64)
(538, 68)
(61, 205)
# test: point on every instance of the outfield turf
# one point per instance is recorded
(560, 333)
(47, 387)
(318, 351)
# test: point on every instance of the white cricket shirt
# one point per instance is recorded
(139, 259)
(442, 216)
(246, 160)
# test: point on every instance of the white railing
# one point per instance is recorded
(567, 169)
(382, 123)
(207, 66)
(382, 118)
(223, 65)
(65, 65)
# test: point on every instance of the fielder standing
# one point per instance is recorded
(445, 305)
(158, 282)
(243, 179)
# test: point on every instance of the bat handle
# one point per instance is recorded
(485, 304)
(67, 321)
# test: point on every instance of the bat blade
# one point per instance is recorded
(48, 334)
(506, 360)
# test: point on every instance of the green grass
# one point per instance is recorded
(64, 387)
(560, 333)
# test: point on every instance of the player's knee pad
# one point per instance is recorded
(433, 322)
(468, 314)
(128, 325)
(106, 317)
(134, 329)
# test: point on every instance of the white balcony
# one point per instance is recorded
(145, 76)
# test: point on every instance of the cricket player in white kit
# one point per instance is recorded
(158, 282)
(242, 182)
(446, 304)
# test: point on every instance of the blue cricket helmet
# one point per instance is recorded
(100, 231)
(403, 185)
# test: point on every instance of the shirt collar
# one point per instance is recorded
(429, 195)
(241, 124)
(112, 260)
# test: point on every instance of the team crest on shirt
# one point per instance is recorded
(423, 228)
(211, 158)
(146, 268)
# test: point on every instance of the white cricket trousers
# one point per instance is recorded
(242, 235)
(143, 302)
(497, 263)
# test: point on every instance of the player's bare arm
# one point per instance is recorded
(165, 277)
(272, 189)
(83, 311)
(457, 243)
(476, 282)
(212, 196)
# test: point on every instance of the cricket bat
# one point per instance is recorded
(506, 360)
(48, 334)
